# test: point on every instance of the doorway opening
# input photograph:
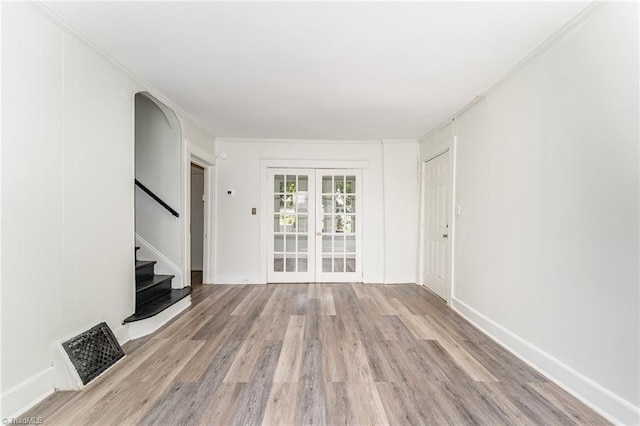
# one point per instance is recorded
(198, 202)
(197, 224)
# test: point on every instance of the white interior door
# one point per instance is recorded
(436, 214)
(316, 231)
(291, 247)
(339, 225)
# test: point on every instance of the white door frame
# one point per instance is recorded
(448, 145)
(196, 155)
(266, 164)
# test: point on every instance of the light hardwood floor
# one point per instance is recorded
(317, 354)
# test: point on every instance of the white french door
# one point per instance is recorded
(316, 234)
(338, 225)
(292, 217)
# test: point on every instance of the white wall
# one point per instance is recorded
(197, 217)
(237, 231)
(67, 198)
(400, 211)
(197, 139)
(158, 147)
(547, 244)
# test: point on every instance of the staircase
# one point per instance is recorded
(153, 292)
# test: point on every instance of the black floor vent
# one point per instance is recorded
(93, 351)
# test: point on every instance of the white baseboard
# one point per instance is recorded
(602, 400)
(231, 279)
(122, 334)
(25, 395)
(400, 279)
(228, 279)
(147, 326)
(65, 375)
(164, 266)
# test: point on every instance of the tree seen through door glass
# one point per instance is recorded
(350, 185)
(286, 199)
(345, 223)
(339, 184)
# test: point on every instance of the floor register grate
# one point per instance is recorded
(93, 351)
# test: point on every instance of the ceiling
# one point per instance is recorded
(318, 70)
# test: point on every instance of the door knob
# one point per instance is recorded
(318, 234)
(445, 235)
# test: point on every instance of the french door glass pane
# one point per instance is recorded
(278, 262)
(339, 184)
(327, 203)
(302, 243)
(302, 202)
(327, 224)
(290, 186)
(302, 263)
(350, 185)
(291, 243)
(326, 263)
(278, 243)
(327, 186)
(339, 203)
(350, 263)
(278, 183)
(350, 204)
(326, 243)
(303, 223)
(350, 243)
(338, 264)
(303, 184)
(290, 264)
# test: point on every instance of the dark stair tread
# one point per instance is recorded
(143, 263)
(159, 304)
(145, 283)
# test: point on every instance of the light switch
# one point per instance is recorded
(457, 209)
(254, 211)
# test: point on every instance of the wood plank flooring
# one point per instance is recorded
(318, 354)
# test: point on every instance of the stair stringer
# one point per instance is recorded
(164, 265)
(147, 326)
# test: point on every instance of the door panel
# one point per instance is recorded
(339, 235)
(435, 269)
(293, 218)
